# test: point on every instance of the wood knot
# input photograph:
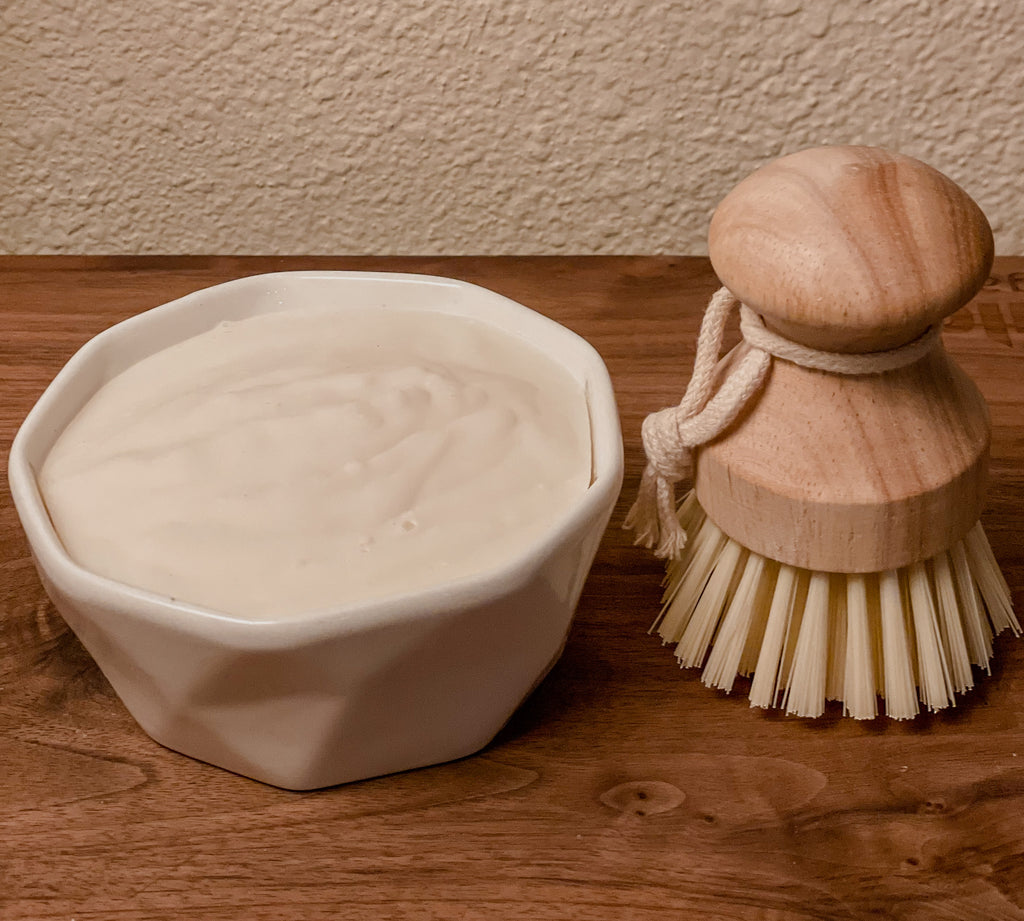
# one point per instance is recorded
(643, 797)
(933, 806)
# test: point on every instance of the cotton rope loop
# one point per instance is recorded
(669, 436)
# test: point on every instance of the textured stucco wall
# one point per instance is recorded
(465, 126)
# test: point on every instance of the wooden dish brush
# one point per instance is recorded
(831, 545)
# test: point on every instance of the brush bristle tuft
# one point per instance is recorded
(910, 636)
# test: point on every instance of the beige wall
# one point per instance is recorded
(464, 126)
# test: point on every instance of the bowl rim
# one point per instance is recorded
(560, 344)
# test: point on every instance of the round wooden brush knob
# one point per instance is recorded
(850, 249)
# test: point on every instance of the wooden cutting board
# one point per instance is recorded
(622, 789)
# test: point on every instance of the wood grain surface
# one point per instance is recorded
(622, 789)
(850, 248)
(851, 473)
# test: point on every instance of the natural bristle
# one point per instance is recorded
(909, 635)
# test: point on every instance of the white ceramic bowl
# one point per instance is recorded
(375, 687)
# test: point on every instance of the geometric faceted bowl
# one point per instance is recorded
(371, 688)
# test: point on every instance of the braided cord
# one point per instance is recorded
(670, 435)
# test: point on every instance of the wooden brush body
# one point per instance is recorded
(850, 250)
(843, 473)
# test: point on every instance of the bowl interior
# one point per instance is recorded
(116, 349)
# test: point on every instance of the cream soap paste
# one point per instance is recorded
(298, 461)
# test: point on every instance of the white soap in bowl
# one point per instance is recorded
(323, 697)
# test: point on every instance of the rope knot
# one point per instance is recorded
(667, 452)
